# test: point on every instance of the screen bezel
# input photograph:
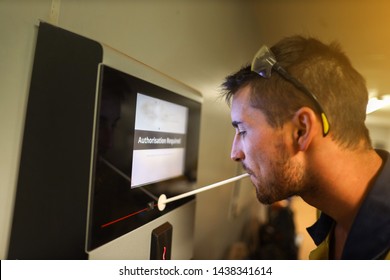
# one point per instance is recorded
(130, 217)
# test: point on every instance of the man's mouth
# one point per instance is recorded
(247, 169)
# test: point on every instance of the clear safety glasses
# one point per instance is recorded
(264, 62)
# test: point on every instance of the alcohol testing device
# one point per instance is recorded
(105, 136)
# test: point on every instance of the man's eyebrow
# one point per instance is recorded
(236, 123)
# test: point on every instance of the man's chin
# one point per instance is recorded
(265, 199)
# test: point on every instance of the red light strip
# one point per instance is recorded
(127, 216)
(164, 253)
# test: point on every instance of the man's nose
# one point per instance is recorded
(236, 153)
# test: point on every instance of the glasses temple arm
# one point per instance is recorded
(301, 87)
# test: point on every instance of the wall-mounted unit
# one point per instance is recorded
(104, 137)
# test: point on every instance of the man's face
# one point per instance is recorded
(265, 152)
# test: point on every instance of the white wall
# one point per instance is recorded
(196, 42)
(378, 124)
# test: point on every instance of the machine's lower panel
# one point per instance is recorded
(136, 244)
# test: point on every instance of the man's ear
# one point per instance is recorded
(305, 122)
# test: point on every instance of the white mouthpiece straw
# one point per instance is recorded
(163, 200)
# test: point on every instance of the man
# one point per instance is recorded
(299, 113)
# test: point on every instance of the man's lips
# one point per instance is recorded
(250, 172)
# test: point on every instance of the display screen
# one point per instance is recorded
(159, 138)
(146, 144)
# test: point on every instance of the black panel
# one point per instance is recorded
(52, 194)
(161, 243)
(116, 208)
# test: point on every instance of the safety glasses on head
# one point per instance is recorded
(264, 62)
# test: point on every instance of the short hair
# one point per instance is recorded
(323, 69)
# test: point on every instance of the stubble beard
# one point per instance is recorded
(285, 179)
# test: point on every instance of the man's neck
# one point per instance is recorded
(343, 178)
